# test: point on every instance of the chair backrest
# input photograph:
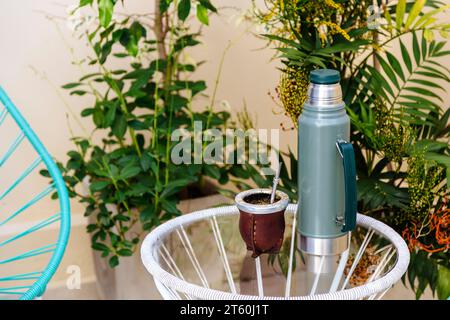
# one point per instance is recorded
(32, 240)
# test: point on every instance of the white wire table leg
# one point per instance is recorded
(172, 265)
(381, 295)
(287, 291)
(340, 270)
(317, 277)
(358, 256)
(191, 255)
(382, 265)
(259, 279)
(166, 292)
(222, 253)
(384, 261)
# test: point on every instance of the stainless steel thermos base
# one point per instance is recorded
(322, 254)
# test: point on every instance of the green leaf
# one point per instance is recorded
(99, 185)
(427, 16)
(395, 65)
(114, 261)
(414, 12)
(99, 247)
(169, 207)
(146, 161)
(208, 5)
(427, 83)
(212, 171)
(147, 214)
(78, 92)
(164, 5)
(129, 172)
(71, 85)
(85, 3)
(175, 186)
(202, 14)
(447, 175)
(400, 13)
(105, 12)
(423, 91)
(183, 9)
(125, 252)
(439, 158)
(375, 193)
(416, 48)
(345, 46)
(406, 58)
(120, 126)
(424, 47)
(443, 283)
(389, 72)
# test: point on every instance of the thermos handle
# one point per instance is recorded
(348, 156)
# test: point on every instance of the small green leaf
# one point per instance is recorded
(129, 172)
(388, 71)
(212, 171)
(146, 161)
(414, 12)
(202, 14)
(395, 65)
(147, 214)
(125, 252)
(170, 207)
(164, 5)
(439, 158)
(99, 247)
(183, 9)
(120, 126)
(416, 49)
(105, 11)
(78, 92)
(71, 85)
(85, 3)
(114, 261)
(406, 58)
(400, 13)
(443, 285)
(99, 185)
(208, 5)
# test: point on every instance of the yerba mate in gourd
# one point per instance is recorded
(261, 223)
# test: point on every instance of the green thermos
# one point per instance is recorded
(326, 173)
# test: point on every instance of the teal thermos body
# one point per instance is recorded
(326, 170)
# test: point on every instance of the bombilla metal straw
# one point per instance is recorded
(276, 179)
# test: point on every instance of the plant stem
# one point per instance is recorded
(167, 83)
(160, 33)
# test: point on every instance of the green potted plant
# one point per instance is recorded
(123, 171)
(400, 123)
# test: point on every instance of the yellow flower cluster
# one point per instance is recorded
(422, 178)
(334, 28)
(392, 139)
(292, 90)
(334, 5)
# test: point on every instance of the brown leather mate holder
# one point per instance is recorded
(261, 223)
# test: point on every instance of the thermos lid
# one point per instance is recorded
(324, 76)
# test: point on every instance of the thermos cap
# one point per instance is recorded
(324, 91)
(324, 76)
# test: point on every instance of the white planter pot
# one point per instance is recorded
(130, 280)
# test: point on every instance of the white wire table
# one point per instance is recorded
(201, 256)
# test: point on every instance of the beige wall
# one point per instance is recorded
(35, 60)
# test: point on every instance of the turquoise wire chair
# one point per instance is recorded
(27, 265)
